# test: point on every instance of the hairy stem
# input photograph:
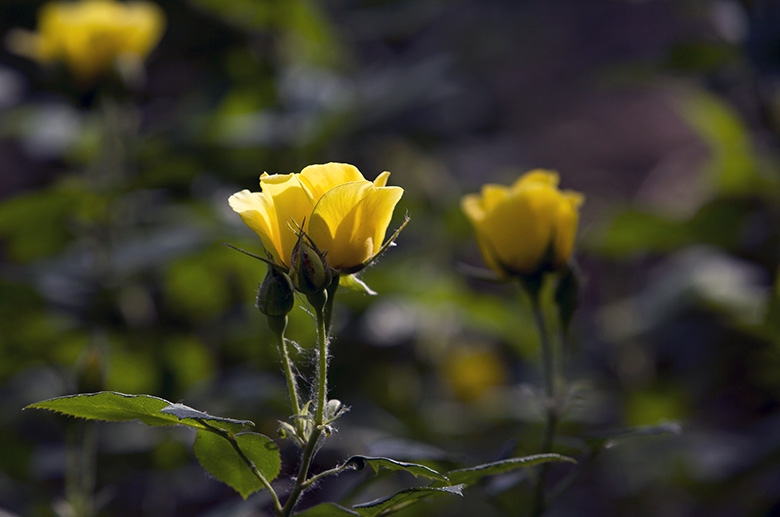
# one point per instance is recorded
(278, 326)
(319, 302)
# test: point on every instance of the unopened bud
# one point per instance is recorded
(309, 271)
(275, 296)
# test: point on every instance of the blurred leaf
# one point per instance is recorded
(397, 502)
(732, 168)
(188, 359)
(474, 474)
(310, 36)
(34, 225)
(633, 231)
(326, 510)
(387, 463)
(118, 407)
(701, 56)
(254, 14)
(219, 457)
(610, 437)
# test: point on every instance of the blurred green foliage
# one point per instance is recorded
(113, 210)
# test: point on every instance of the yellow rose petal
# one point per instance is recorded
(350, 222)
(292, 205)
(256, 210)
(321, 178)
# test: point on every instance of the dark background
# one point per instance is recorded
(113, 203)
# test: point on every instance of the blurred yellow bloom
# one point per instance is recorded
(345, 215)
(527, 227)
(91, 36)
(472, 372)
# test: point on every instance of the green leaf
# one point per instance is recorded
(110, 406)
(397, 502)
(473, 474)
(353, 283)
(376, 463)
(219, 457)
(611, 437)
(187, 413)
(326, 510)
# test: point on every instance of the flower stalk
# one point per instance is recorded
(534, 285)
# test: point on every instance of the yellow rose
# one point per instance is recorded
(91, 36)
(344, 215)
(473, 372)
(525, 228)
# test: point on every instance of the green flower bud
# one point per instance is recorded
(275, 296)
(309, 271)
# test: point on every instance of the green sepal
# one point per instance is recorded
(353, 283)
(309, 268)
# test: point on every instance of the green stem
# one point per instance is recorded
(322, 365)
(278, 326)
(300, 482)
(319, 302)
(326, 473)
(328, 309)
(551, 405)
(259, 475)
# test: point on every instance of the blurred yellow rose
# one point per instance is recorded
(526, 228)
(345, 215)
(92, 36)
(472, 372)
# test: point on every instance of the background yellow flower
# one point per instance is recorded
(526, 227)
(92, 36)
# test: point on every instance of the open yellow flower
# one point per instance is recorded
(344, 215)
(526, 228)
(92, 36)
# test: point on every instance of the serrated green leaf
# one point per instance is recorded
(473, 474)
(326, 510)
(111, 406)
(353, 283)
(183, 412)
(217, 455)
(397, 502)
(376, 463)
(611, 437)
